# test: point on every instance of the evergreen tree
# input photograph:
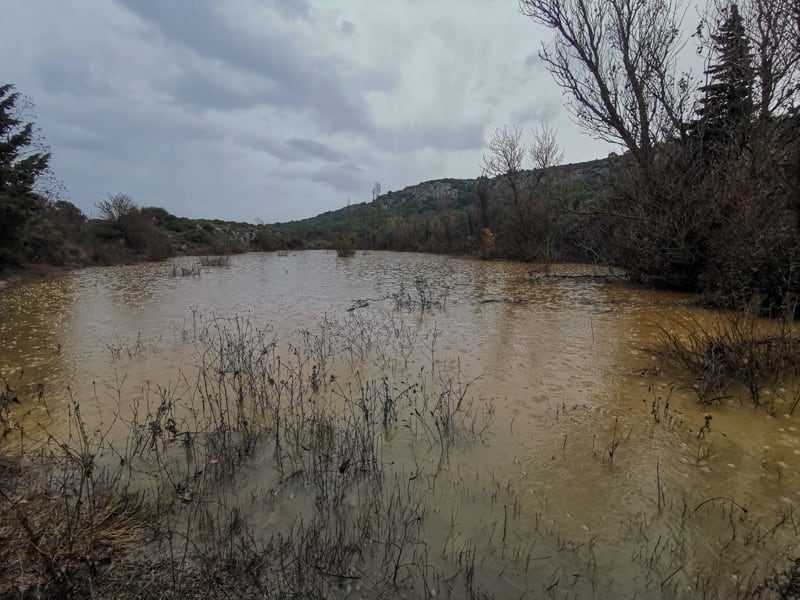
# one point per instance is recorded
(726, 107)
(21, 166)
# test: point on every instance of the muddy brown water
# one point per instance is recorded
(560, 359)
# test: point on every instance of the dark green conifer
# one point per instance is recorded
(21, 166)
(727, 109)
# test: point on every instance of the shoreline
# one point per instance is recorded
(32, 272)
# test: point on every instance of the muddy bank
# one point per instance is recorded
(11, 277)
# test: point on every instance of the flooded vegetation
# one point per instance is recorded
(342, 424)
(389, 425)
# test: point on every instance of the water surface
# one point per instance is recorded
(562, 360)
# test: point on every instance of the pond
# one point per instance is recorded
(576, 468)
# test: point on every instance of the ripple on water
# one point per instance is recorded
(556, 355)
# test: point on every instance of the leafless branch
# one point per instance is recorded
(616, 59)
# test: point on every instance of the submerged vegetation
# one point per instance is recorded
(344, 246)
(738, 350)
(323, 465)
(425, 296)
(164, 474)
(326, 466)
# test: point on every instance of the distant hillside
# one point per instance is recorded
(429, 199)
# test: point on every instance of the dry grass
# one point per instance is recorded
(60, 530)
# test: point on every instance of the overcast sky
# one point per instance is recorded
(274, 109)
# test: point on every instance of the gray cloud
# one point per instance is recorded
(293, 9)
(208, 86)
(468, 136)
(535, 112)
(291, 74)
(342, 178)
(74, 77)
(275, 109)
(293, 150)
(533, 60)
(268, 146)
(316, 150)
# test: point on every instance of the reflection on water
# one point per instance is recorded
(560, 357)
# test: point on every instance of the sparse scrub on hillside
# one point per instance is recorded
(267, 239)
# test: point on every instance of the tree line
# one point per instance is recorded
(707, 194)
(38, 228)
(704, 196)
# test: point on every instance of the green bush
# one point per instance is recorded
(197, 236)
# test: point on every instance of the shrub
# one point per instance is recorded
(344, 246)
(738, 350)
(267, 240)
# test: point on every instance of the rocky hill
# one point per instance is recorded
(583, 180)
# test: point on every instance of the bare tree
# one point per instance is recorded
(376, 191)
(530, 210)
(506, 155)
(774, 31)
(116, 207)
(506, 152)
(545, 151)
(725, 227)
(617, 61)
